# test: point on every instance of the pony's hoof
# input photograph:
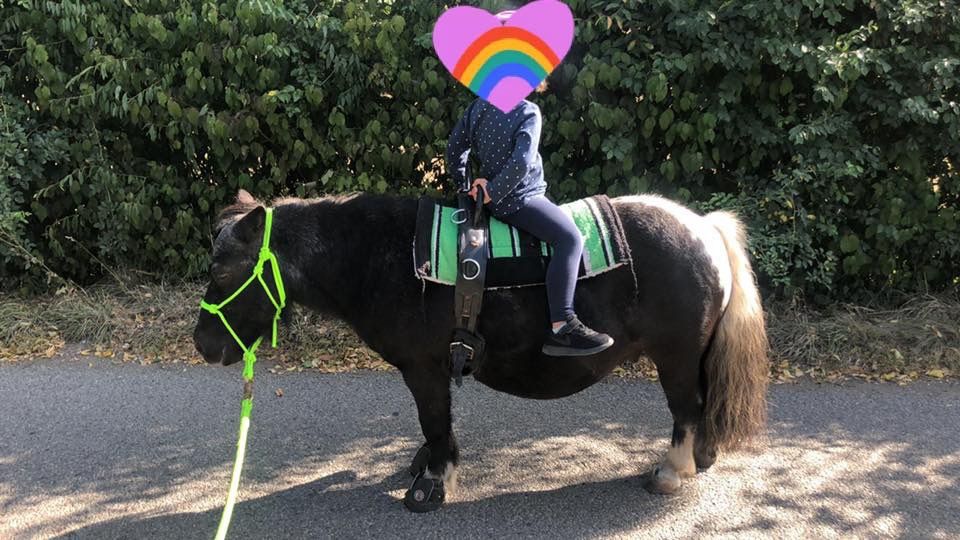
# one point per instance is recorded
(420, 461)
(663, 480)
(424, 495)
(704, 458)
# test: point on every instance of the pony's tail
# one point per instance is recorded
(736, 364)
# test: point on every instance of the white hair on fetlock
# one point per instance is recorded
(680, 458)
(448, 477)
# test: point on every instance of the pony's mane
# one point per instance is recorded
(241, 208)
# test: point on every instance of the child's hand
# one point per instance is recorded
(481, 182)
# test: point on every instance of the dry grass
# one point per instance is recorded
(151, 323)
(921, 336)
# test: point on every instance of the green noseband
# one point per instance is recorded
(278, 301)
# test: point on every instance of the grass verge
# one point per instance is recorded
(152, 323)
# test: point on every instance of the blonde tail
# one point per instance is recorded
(736, 366)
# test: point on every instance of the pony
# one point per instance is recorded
(688, 302)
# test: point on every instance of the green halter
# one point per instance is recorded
(279, 302)
(249, 358)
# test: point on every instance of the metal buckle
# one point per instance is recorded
(475, 274)
(469, 349)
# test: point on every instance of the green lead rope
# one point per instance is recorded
(249, 359)
(246, 406)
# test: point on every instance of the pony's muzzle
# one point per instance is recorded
(210, 352)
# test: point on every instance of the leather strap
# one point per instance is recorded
(474, 232)
(472, 270)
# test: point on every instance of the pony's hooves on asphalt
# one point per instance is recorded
(424, 495)
(663, 480)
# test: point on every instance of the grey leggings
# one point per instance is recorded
(548, 222)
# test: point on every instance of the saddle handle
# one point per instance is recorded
(478, 209)
(464, 201)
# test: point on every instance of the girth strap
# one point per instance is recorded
(467, 345)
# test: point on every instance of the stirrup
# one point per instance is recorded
(466, 349)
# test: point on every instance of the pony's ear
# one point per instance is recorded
(244, 197)
(250, 226)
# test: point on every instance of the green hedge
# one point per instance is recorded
(832, 126)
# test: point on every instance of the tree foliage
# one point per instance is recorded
(831, 126)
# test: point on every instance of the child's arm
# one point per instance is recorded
(458, 151)
(524, 157)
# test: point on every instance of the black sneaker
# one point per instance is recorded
(575, 339)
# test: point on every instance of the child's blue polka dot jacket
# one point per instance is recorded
(505, 146)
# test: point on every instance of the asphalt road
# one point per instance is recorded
(129, 451)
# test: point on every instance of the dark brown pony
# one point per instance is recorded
(690, 304)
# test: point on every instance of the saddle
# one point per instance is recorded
(515, 257)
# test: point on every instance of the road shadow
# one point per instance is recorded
(371, 512)
(145, 453)
(880, 461)
(117, 456)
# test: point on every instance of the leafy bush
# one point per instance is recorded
(832, 126)
(26, 159)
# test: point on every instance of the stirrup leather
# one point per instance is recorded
(467, 346)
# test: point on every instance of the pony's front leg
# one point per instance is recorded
(434, 467)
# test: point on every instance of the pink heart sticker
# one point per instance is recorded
(504, 61)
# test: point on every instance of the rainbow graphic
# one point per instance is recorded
(502, 58)
(501, 52)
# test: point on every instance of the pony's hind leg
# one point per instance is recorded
(431, 391)
(704, 451)
(680, 381)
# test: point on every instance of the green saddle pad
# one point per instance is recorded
(517, 258)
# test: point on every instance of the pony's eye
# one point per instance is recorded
(218, 273)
